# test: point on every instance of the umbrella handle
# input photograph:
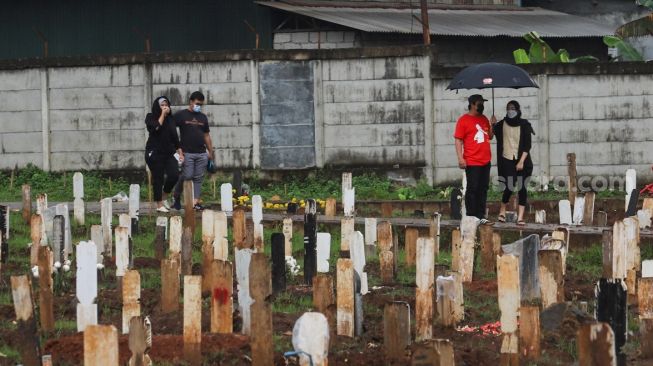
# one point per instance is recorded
(492, 101)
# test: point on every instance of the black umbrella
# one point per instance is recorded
(492, 75)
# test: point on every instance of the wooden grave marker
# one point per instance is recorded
(131, 298)
(370, 238)
(529, 332)
(222, 297)
(189, 203)
(488, 254)
(646, 338)
(170, 285)
(323, 252)
(239, 228)
(540, 217)
(552, 281)
(287, 235)
(526, 250)
(564, 211)
(260, 286)
(134, 207)
(101, 345)
(468, 228)
(279, 262)
(508, 279)
(243, 259)
(176, 230)
(58, 239)
(36, 231)
(346, 229)
(348, 202)
(433, 352)
(41, 203)
(578, 210)
(27, 203)
(78, 194)
(192, 318)
(595, 343)
(86, 284)
(46, 288)
(434, 231)
(122, 251)
(425, 278)
(26, 333)
(411, 235)
(345, 297)
(602, 218)
(386, 252)
(396, 331)
(220, 232)
(105, 219)
(159, 241)
(573, 182)
(645, 298)
(330, 207)
(612, 308)
(208, 238)
(97, 238)
(631, 185)
(324, 301)
(346, 183)
(310, 241)
(257, 218)
(187, 251)
(588, 213)
(138, 342)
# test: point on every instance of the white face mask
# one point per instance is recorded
(512, 113)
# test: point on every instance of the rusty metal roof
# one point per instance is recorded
(494, 21)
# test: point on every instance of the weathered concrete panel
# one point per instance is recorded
(573, 86)
(619, 107)
(96, 77)
(274, 91)
(634, 130)
(287, 113)
(20, 79)
(231, 137)
(603, 153)
(225, 93)
(398, 68)
(374, 156)
(295, 157)
(21, 142)
(201, 73)
(374, 135)
(369, 69)
(285, 71)
(233, 158)
(97, 119)
(90, 98)
(287, 136)
(373, 90)
(9, 161)
(91, 140)
(20, 100)
(356, 113)
(98, 160)
(29, 121)
(362, 69)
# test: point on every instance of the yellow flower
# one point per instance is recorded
(294, 200)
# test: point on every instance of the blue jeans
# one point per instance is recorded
(193, 168)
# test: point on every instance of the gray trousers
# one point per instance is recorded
(193, 168)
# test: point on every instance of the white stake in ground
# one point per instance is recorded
(348, 201)
(425, 275)
(105, 219)
(226, 198)
(96, 237)
(509, 301)
(468, 228)
(78, 193)
(243, 258)
(564, 208)
(220, 242)
(345, 297)
(125, 221)
(631, 183)
(131, 296)
(357, 254)
(62, 209)
(287, 234)
(323, 252)
(134, 201)
(122, 251)
(579, 210)
(86, 284)
(176, 225)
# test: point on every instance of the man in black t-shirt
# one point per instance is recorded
(196, 147)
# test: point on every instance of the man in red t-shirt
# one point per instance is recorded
(473, 134)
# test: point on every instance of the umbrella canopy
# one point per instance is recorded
(492, 75)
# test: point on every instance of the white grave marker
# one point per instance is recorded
(310, 336)
(175, 237)
(208, 223)
(644, 217)
(125, 221)
(540, 217)
(78, 193)
(370, 231)
(579, 210)
(323, 252)
(357, 254)
(62, 209)
(564, 207)
(631, 183)
(86, 284)
(134, 201)
(220, 243)
(226, 197)
(122, 250)
(647, 268)
(163, 221)
(105, 219)
(96, 237)
(243, 258)
(257, 209)
(349, 199)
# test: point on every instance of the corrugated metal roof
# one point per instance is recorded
(447, 22)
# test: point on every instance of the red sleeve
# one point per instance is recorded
(460, 131)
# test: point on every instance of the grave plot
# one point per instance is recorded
(238, 286)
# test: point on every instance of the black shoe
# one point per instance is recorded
(198, 207)
(176, 205)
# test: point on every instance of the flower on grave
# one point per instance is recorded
(100, 266)
(57, 264)
(292, 265)
(35, 271)
(66, 267)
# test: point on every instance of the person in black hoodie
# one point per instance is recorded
(160, 150)
(514, 162)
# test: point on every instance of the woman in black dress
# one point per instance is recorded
(514, 162)
(160, 150)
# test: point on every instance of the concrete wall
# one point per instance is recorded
(316, 40)
(372, 107)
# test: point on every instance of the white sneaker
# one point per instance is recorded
(166, 204)
(163, 209)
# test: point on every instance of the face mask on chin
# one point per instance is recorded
(512, 114)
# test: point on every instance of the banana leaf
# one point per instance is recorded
(646, 3)
(626, 51)
(637, 28)
(521, 57)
